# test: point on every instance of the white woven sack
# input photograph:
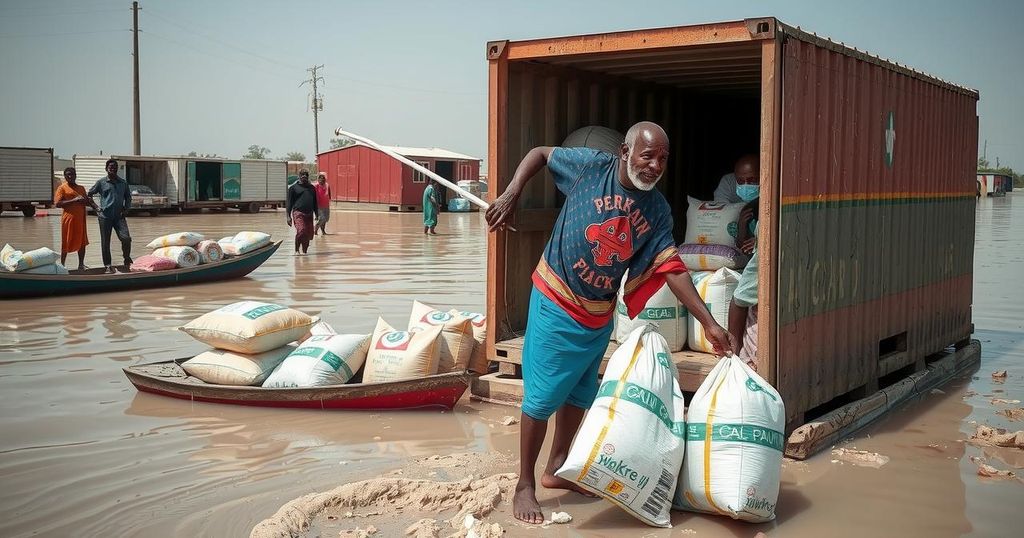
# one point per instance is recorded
(322, 360)
(662, 310)
(715, 289)
(712, 223)
(734, 444)
(630, 446)
(179, 239)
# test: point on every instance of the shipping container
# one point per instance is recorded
(195, 183)
(26, 179)
(866, 239)
(994, 184)
(360, 174)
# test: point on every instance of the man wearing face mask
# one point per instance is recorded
(612, 221)
(744, 172)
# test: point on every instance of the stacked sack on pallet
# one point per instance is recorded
(269, 345)
(712, 258)
(42, 261)
(710, 252)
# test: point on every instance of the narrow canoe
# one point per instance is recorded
(168, 379)
(22, 285)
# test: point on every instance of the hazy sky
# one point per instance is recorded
(219, 76)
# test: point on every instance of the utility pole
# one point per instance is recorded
(136, 136)
(318, 103)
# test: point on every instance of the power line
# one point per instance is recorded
(219, 41)
(205, 52)
(60, 13)
(58, 34)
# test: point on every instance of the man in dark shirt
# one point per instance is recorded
(115, 201)
(300, 204)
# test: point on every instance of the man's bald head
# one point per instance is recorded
(747, 170)
(646, 131)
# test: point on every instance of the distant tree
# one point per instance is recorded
(294, 156)
(341, 142)
(207, 155)
(256, 152)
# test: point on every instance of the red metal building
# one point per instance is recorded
(359, 173)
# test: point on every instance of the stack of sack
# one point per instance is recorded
(714, 262)
(249, 340)
(42, 261)
(635, 449)
(269, 345)
(436, 342)
(710, 242)
(243, 243)
(177, 248)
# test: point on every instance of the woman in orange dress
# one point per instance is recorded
(71, 197)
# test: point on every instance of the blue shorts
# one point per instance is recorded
(560, 359)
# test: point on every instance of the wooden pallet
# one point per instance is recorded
(822, 432)
(505, 386)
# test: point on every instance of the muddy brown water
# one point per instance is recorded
(83, 454)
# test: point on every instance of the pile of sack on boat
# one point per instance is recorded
(41, 261)
(189, 249)
(264, 344)
(710, 254)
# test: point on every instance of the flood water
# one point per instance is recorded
(83, 454)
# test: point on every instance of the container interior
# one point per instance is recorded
(708, 99)
(152, 173)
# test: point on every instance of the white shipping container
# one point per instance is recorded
(26, 175)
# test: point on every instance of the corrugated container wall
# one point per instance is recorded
(360, 174)
(877, 221)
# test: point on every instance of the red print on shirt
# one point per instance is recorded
(611, 238)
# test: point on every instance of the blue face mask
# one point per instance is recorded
(748, 192)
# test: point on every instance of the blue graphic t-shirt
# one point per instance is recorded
(602, 231)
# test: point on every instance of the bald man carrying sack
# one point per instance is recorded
(612, 220)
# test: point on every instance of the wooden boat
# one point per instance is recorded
(23, 285)
(169, 379)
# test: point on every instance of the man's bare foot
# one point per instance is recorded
(525, 506)
(551, 481)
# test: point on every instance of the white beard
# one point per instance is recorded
(634, 178)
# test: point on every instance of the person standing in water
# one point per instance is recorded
(430, 208)
(323, 203)
(300, 205)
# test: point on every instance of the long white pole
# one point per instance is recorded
(465, 194)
